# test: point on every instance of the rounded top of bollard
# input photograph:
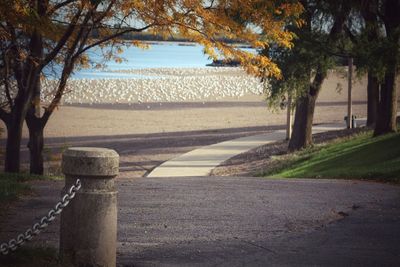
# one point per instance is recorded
(90, 161)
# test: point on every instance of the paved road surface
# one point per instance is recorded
(215, 221)
(225, 221)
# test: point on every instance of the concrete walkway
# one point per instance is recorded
(200, 162)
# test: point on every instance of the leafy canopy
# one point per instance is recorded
(256, 22)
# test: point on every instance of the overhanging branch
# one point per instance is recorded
(63, 40)
(115, 35)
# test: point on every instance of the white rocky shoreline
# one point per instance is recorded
(159, 85)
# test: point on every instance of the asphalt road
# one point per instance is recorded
(226, 221)
(215, 221)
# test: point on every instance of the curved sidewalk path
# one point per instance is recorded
(200, 162)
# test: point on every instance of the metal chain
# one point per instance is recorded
(13, 244)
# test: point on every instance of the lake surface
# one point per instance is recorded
(160, 55)
(163, 55)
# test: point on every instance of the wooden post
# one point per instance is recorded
(349, 100)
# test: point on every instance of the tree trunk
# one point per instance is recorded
(27, 73)
(387, 109)
(370, 15)
(304, 115)
(373, 99)
(14, 135)
(302, 128)
(36, 142)
(36, 128)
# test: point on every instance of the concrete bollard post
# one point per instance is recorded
(88, 231)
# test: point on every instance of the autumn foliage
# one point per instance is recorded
(40, 34)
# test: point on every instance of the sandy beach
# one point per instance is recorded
(87, 114)
(150, 132)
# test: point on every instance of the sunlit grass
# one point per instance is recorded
(359, 157)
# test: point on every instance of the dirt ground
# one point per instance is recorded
(107, 119)
(247, 111)
(147, 134)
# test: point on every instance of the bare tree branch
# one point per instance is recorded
(63, 39)
(115, 35)
(100, 18)
(70, 59)
(58, 6)
(210, 6)
(18, 66)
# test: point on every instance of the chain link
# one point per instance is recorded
(13, 244)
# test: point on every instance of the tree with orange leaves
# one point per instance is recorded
(36, 34)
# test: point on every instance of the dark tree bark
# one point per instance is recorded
(387, 110)
(27, 74)
(305, 107)
(14, 123)
(373, 100)
(14, 127)
(35, 122)
(302, 128)
(304, 114)
(36, 142)
(13, 144)
(369, 11)
(36, 138)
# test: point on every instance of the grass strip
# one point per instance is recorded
(358, 157)
(13, 185)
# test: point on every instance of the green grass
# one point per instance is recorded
(14, 185)
(359, 157)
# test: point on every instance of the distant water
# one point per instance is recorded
(162, 55)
